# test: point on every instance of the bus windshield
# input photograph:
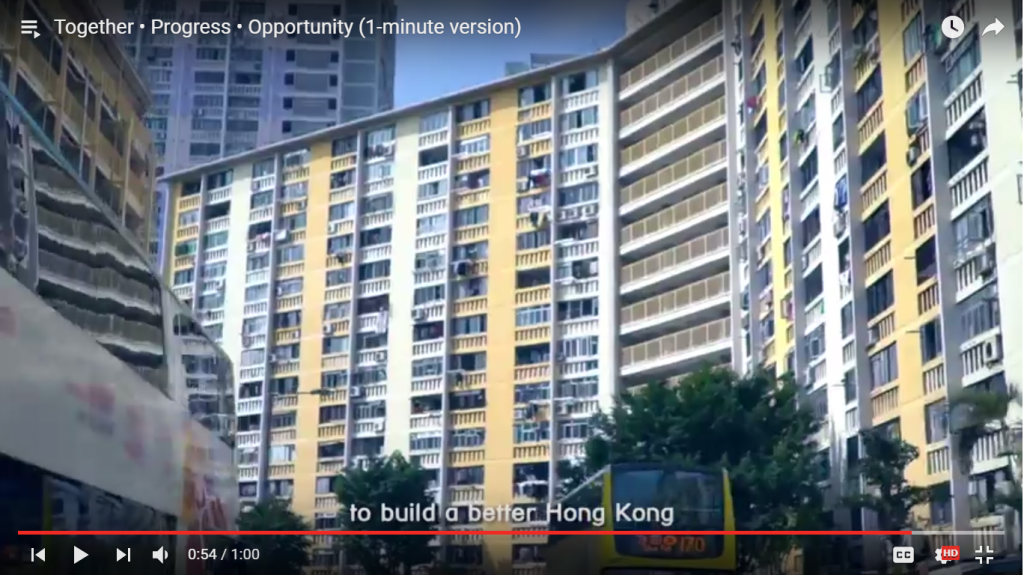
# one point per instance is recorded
(669, 500)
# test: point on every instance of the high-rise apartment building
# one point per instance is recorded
(882, 241)
(221, 95)
(468, 280)
(76, 194)
(88, 100)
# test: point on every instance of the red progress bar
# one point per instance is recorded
(434, 533)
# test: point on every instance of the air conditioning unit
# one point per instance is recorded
(254, 186)
(590, 172)
(247, 342)
(418, 315)
(332, 228)
(281, 235)
(342, 255)
(328, 328)
(380, 356)
(279, 291)
(355, 391)
(913, 155)
(873, 336)
(839, 225)
(986, 263)
(521, 414)
(379, 427)
(251, 248)
(590, 210)
(522, 151)
(564, 408)
(805, 262)
(387, 149)
(992, 351)
(523, 186)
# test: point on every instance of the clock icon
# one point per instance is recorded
(952, 27)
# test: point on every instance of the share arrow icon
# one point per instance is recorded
(995, 27)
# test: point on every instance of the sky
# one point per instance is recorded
(431, 66)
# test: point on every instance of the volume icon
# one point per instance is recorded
(30, 27)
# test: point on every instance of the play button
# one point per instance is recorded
(121, 555)
(79, 554)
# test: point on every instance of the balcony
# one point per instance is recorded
(697, 215)
(672, 136)
(692, 303)
(671, 96)
(678, 352)
(678, 265)
(670, 56)
(669, 181)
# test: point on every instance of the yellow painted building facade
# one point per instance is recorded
(876, 239)
(451, 280)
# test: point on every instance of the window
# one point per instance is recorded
(473, 111)
(936, 417)
(876, 227)
(432, 225)
(917, 110)
(530, 432)
(339, 277)
(579, 119)
(974, 226)
(535, 129)
(188, 218)
(578, 156)
(578, 347)
(579, 82)
(880, 296)
(290, 254)
(183, 277)
(428, 294)
(472, 216)
(332, 413)
(534, 95)
(846, 320)
(963, 62)
(536, 315)
(475, 287)
(884, 368)
(913, 39)
(981, 312)
(333, 379)
(931, 340)
(375, 270)
(257, 293)
(340, 211)
(576, 309)
(469, 325)
(533, 240)
(577, 194)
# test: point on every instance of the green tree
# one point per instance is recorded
(886, 492)
(754, 426)
(397, 484)
(977, 413)
(279, 554)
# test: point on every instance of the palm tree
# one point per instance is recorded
(978, 413)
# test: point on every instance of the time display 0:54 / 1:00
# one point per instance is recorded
(222, 554)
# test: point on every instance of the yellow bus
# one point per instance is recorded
(638, 498)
